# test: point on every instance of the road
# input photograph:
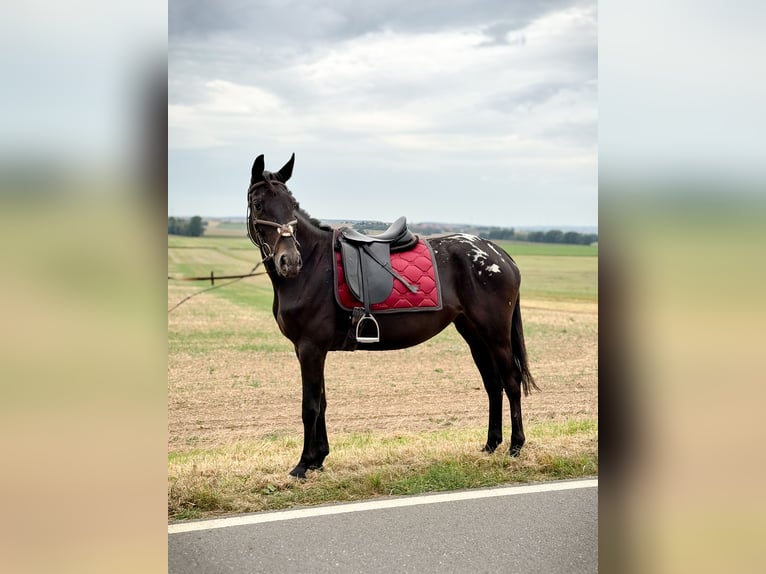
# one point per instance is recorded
(550, 528)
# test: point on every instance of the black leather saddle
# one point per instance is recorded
(397, 236)
(368, 271)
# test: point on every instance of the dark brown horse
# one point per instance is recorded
(480, 294)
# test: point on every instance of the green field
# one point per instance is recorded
(548, 271)
(548, 249)
(229, 225)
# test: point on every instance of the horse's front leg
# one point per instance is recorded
(315, 444)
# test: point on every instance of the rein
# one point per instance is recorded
(284, 229)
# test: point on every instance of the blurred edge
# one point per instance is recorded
(682, 231)
(680, 390)
(83, 159)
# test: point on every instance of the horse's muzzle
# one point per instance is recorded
(289, 264)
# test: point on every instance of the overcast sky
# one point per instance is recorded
(450, 110)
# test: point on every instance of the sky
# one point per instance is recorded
(445, 111)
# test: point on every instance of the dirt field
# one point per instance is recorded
(232, 376)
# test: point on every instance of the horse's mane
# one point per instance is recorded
(313, 220)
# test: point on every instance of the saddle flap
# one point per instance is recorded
(379, 282)
(368, 281)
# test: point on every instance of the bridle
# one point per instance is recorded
(284, 229)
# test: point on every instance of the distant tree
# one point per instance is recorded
(499, 233)
(589, 238)
(195, 226)
(554, 236)
(572, 237)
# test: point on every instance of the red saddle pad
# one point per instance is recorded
(417, 267)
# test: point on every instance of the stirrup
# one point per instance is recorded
(373, 339)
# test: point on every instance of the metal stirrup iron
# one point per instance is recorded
(367, 317)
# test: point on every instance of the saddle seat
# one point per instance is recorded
(397, 236)
(368, 271)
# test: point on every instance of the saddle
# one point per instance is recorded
(368, 271)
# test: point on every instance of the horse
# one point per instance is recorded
(480, 295)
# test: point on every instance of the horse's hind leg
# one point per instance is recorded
(491, 350)
(509, 379)
(489, 374)
(512, 385)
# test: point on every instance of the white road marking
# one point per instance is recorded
(377, 505)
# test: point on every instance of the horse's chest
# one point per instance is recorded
(305, 310)
(291, 319)
(283, 324)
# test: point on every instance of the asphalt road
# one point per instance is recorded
(517, 529)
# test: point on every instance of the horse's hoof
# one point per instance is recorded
(491, 445)
(515, 451)
(298, 472)
(317, 467)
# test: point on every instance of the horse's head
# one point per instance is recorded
(271, 220)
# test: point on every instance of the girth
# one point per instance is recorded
(368, 271)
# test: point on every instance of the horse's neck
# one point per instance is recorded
(314, 242)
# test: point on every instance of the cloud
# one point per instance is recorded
(441, 82)
(502, 86)
(307, 23)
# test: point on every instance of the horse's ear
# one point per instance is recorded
(287, 170)
(258, 167)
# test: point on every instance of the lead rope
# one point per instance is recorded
(185, 299)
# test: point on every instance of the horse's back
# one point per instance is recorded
(471, 264)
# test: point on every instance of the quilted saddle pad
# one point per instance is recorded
(416, 266)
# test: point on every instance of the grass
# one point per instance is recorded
(236, 225)
(556, 277)
(548, 249)
(252, 476)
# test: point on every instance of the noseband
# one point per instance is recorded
(284, 229)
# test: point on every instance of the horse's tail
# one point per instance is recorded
(519, 350)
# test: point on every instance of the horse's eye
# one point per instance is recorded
(258, 206)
